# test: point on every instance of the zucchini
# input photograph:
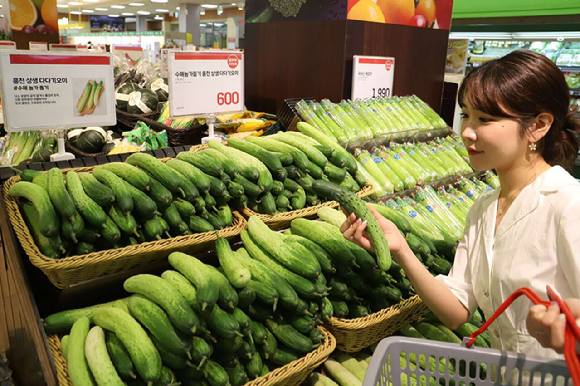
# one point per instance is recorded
(123, 198)
(119, 356)
(134, 176)
(267, 239)
(230, 167)
(143, 353)
(126, 222)
(98, 359)
(190, 172)
(59, 196)
(50, 247)
(156, 321)
(247, 297)
(165, 295)
(48, 220)
(88, 208)
(99, 193)
(197, 272)
(268, 143)
(264, 293)
(203, 162)
(222, 323)
(78, 368)
(286, 334)
(271, 161)
(144, 207)
(236, 273)
(158, 170)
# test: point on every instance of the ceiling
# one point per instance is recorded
(133, 8)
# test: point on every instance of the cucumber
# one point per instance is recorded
(123, 198)
(286, 193)
(264, 292)
(49, 222)
(59, 196)
(269, 159)
(215, 374)
(156, 321)
(306, 183)
(303, 324)
(169, 358)
(78, 368)
(50, 247)
(291, 185)
(190, 191)
(236, 273)
(286, 334)
(165, 295)
(119, 356)
(183, 286)
(268, 203)
(87, 207)
(199, 225)
(98, 359)
(390, 293)
(144, 207)
(185, 209)
(160, 194)
(228, 297)
(42, 181)
(154, 229)
(285, 158)
(98, 192)
(197, 272)
(432, 333)
(259, 332)
(465, 331)
(285, 255)
(126, 222)
(277, 187)
(171, 215)
(292, 172)
(261, 273)
(314, 170)
(316, 337)
(311, 152)
(215, 221)
(225, 215)
(242, 319)
(411, 332)
(304, 246)
(283, 356)
(203, 162)
(268, 143)
(327, 310)
(300, 284)
(158, 170)
(334, 173)
(236, 190)
(110, 231)
(64, 346)
(247, 350)
(195, 175)
(270, 345)
(339, 309)
(230, 346)
(476, 319)
(134, 176)
(255, 366)
(328, 237)
(222, 323)
(250, 189)
(62, 322)
(247, 297)
(298, 200)
(200, 351)
(217, 188)
(143, 353)
(230, 167)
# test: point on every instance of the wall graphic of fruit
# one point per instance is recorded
(366, 10)
(427, 9)
(50, 14)
(351, 4)
(444, 10)
(397, 11)
(23, 13)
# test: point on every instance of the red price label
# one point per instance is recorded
(228, 98)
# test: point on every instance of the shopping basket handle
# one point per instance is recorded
(571, 333)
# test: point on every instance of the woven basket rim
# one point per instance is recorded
(375, 318)
(306, 363)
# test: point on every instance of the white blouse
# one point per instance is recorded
(536, 244)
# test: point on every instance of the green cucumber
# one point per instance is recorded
(292, 172)
(134, 176)
(264, 292)
(50, 247)
(49, 222)
(288, 335)
(154, 229)
(171, 215)
(250, 189)
(311, 152)
(314, 249)
(255, 366)
(110, 231)
(126, 222)
(143, 353)
(185, 209)
(283, 356)
(221, 322)
(268, 203)
(78, 368)
(98, 192)
(183, 286)
(165, 295)
(314, 170)
(230, 167)
(291, 185)
(247, 297)
(268, 143)
(62, 322)
(285, 158)
(169, 358)
(59, 196)
(200, 350)
(123, 198)
(225, 215)
(88, 208)
(195, 175)
(269, 159)
(160, 171)
(215, 374)
(270, 345)
(204, 162)
(259, 332)
(160, 194)
(228, 297)
(145, 207)
(98, 359)
(199, 225)
(298, 200)
(334, 173)
(236, 273)
(119, 356)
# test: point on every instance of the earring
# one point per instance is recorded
(533, 146)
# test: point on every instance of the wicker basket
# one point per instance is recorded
(353, 335)
(76, 269)
(79, 153)
(127, 121)
(178, 137)
(282, 220)
(292, 374)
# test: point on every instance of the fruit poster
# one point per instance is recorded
(262, 11)
(416, 13)
(33, 17)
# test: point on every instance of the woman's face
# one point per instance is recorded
(492, 142)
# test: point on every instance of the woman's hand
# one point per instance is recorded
(353, 229)
(547, 325)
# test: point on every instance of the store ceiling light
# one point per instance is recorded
(158, 17)
(128, 14)
(177, 8)
(160, 1)
(118, 6)
(210, 6)
(161, 10)
(88, 11)
(91, 1)
(202, 25)
(74, 3)
(136, 4)
(113, 15)
(202, 12)
(76, 13)
(143, 13)
(62, 6)
(101, 9)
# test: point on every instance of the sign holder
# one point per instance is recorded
(62, 154)
(219, 73)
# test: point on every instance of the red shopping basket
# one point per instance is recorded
(418, 362)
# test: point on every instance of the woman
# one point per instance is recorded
(516, 120)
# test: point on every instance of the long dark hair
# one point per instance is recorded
(522, 85)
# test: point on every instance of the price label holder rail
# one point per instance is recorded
(56, 91)
(372, 77)
(206, 83)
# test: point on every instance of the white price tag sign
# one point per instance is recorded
(38, 46)
(206, 82)
(164, 61)
(7, 45)
(372, 77)
(134, 53)
(50, 90)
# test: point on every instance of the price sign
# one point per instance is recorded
(38, 46)
(68, 47)
(7, 45)
(205, 82)
(133, 53)
(372, 77)
(164, 62)
(50, 90)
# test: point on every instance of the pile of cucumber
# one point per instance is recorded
(198, 324)
(125, 203)
(344, 369)
(278, 171)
